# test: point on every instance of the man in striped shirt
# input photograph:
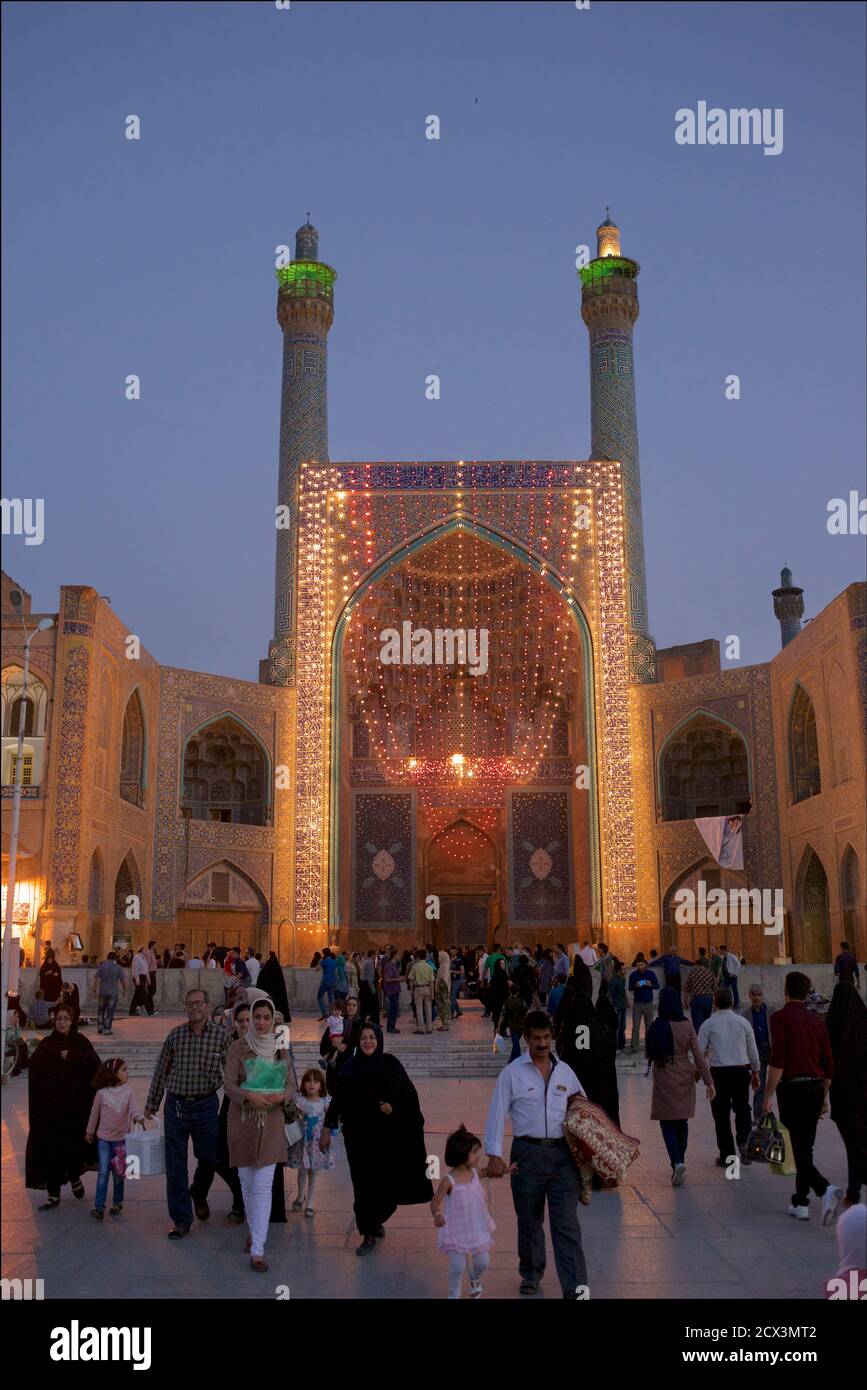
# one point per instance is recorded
(189, 1071)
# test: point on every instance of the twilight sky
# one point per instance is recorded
(454, 257)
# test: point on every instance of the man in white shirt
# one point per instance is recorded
(588, 954)
(141, 980)
(731, 968)
(729, 1042)
(253, 965)
(533, 1092)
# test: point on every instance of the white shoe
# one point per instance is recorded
(802, 1213)
(830, 1202)
(475, 1288)
(678, 1177)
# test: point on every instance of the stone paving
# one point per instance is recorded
(711, 1239)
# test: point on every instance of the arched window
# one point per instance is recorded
(14, 716)
(225, 775)
(95, 884)
(705, 771)
(804, 748)
(132, 752)
(814, 917)
(850, 892)
(127, 897)
(841, 726)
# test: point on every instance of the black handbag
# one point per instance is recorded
(766, 1144)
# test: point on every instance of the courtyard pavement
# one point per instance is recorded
(713, 1238)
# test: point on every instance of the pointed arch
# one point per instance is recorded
(841, 725)
(804, 771)
(133, 750)
(128, 887)
(225, 772)
(850, 893)
(96, 883)
(812, 909)
(703, 768)
(381, 570)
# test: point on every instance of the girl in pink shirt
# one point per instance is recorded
(111, 1118)
(464, 1225)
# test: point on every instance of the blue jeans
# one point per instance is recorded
(621, 1026)
(457, 984)
(105, 1012)
(547, 1171)
(731, 982)
(676, 1136)
(184, 1120)
(393, 1001)
(700, 1008)
(515, 1035)
(759, 1095)
(107, 1149)
(327, 992)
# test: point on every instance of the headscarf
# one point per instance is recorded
(62, 1042)
(360, 1065)
(660, 1039)
(271, 980)
(582, 980)
(852, 1238)
(263, 1044)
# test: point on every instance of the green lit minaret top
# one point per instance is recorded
(609, 263)
(306, 277)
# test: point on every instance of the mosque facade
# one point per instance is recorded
(462, 730)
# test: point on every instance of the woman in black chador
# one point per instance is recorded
(383, 1129)
(60, 1097)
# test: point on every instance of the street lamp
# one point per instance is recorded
(43, 626)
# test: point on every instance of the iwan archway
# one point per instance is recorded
(413, 749)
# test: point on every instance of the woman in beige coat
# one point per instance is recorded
(258, 1082)
(674, 1054)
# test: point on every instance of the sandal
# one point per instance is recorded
(259, 1264)
(77, 1189)
(98, 1214)
(296, 1205)
(47, 1206)
(115, 1209)
(310, 1211)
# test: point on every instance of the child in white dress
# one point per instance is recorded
(306, 1155)
(460, 1210)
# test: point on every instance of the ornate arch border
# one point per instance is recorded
(682, 723)
(610, 630)
(238, 719)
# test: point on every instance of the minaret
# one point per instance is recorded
(609, 308)
(305, 310)
(788, 606)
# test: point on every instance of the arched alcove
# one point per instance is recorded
(806, 780)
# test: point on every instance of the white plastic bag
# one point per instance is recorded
(148, 1148)
(500, 1043)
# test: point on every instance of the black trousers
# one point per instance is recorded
(732, 1085)
(141, 998)
(800, 1105)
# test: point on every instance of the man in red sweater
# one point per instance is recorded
(801, 1066)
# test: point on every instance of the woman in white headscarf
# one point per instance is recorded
(443, 991)
(258, 1081)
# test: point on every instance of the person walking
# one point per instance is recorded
(272, 980)
(253, 966)
(498, 990)
(367, 988)
(801, 1068)
(758, 1016)
(617, 995)
(533, 1093)
(457, 970)
(383, 1129)
(189, 1072)
(585, 1043)
(642, 986)
(258, 1083)
(845, 965)
(443, 991)
(846, 1021)
(325, 997)
(465, 1227)
(731, 967)
(59, 1096)
(334, 1052)
(546, 977)
(50, 977)
(698, 992)
(561, 960)
(391, 986)
(112, 1116)
(341, 979)
(674, 1053)
(305, 1155)
(728, 1042)
(511, 1020)
(141, 981)
(108, 980)
(205, 1172)
(153, 964)
(421, 978)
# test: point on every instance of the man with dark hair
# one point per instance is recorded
(108, 978)
(801, 1068)
(730, 1047)
(189, 1071)
(846, 966)
(642, 983)
(533, 1092)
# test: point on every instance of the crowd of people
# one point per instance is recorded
(565, 1021)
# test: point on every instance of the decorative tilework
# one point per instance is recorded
(383, 859)
(68, 780)
(540, 879)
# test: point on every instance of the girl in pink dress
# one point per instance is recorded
(460, 1211)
